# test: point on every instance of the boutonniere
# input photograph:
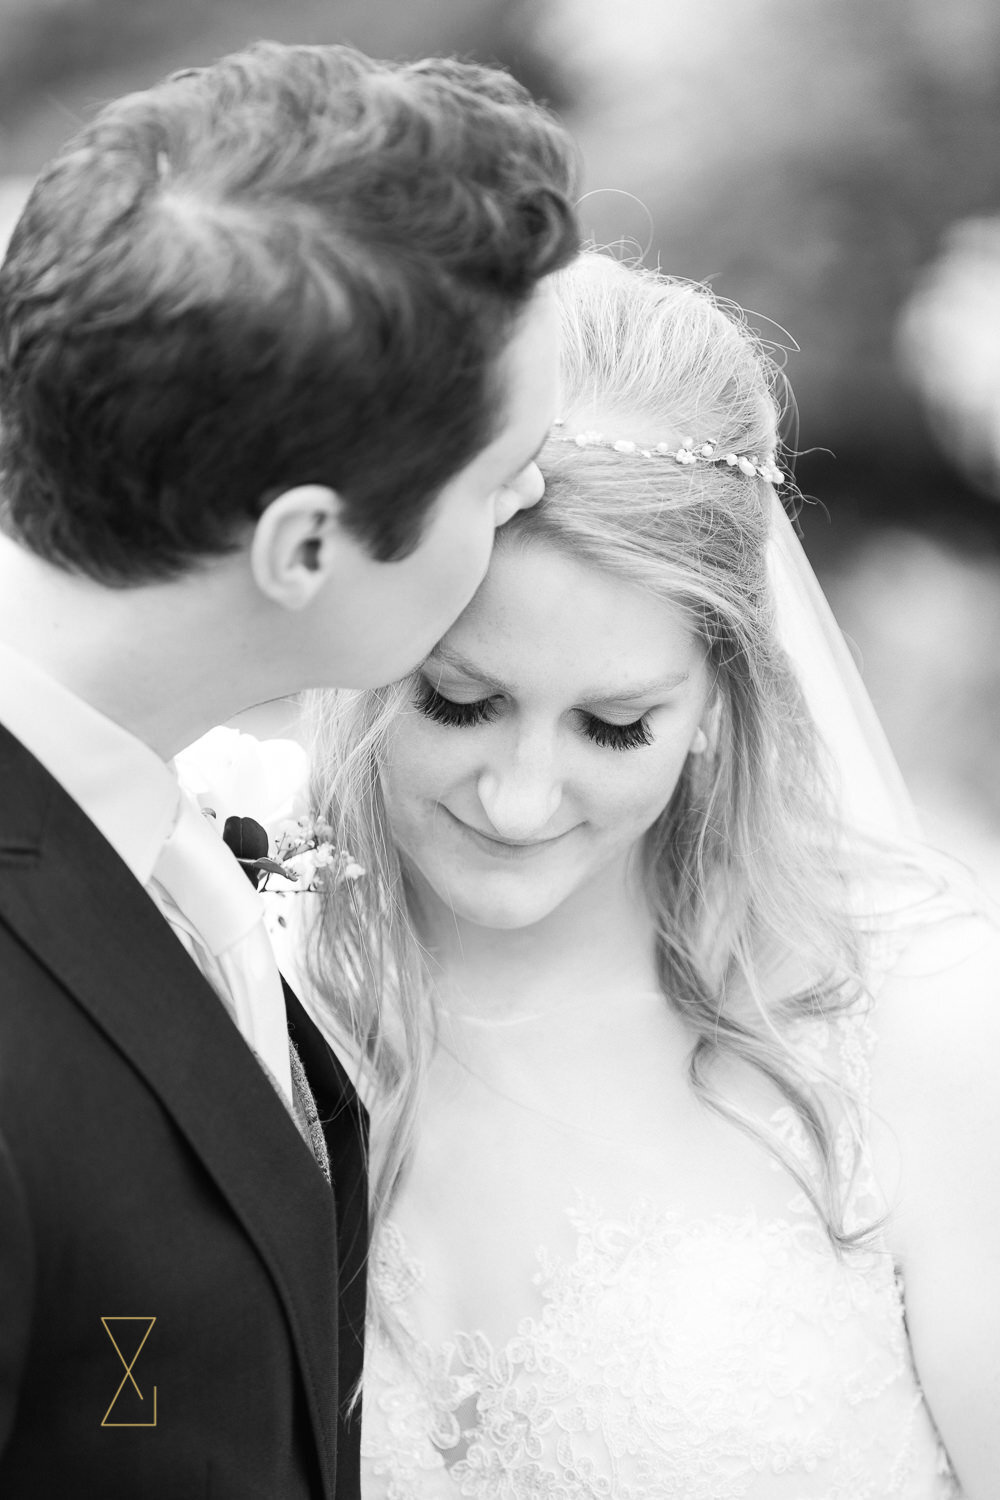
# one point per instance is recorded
(293, 858)
(280, 853)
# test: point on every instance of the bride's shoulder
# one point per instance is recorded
(935, 1103)
(931, 955)
(938, 995)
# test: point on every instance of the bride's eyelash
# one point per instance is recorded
(618, 736)
(445, 711)
(481, 710)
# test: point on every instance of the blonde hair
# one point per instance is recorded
(749, 836)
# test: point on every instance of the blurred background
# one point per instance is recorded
(833, 166)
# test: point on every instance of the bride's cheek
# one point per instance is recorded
(412, 764)
(644, 795)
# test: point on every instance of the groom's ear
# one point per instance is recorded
(295, 546)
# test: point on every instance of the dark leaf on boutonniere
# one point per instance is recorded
(248, 841)
(274, 867)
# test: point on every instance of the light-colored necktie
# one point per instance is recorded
(219, 918)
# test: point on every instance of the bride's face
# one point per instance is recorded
(545, 735)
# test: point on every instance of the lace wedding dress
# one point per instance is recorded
(645, 1349)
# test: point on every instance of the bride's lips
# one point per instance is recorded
(505, 848)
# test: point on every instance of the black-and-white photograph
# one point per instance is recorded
(499, 750)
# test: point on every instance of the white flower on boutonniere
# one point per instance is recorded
(253, 790)
(230, 773)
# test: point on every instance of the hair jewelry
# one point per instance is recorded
(689, 452)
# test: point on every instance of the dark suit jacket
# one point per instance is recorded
(148, 1170)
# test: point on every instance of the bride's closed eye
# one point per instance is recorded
(618, 736)
(482, 710)
(446, 711)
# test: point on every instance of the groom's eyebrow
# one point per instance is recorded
(535, 456)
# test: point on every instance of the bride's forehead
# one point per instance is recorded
(536, 580)
(539, 606)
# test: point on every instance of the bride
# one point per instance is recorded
(684, 1119)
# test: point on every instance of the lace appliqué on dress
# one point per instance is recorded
(719, 1359)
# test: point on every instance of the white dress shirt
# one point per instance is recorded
(133, 798)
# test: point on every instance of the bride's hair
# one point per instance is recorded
(749, 872)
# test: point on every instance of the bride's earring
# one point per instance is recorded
(700, 742)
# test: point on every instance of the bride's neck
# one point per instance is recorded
(599, 941)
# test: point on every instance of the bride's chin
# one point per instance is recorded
(499, 906)
(508, 921)
(498, 915)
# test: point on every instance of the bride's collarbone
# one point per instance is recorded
(611, 1137)
(627, 1062)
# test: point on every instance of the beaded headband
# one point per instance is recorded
(689, 452)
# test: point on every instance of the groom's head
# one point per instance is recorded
(296, 292)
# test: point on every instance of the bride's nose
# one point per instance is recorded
(521, 794)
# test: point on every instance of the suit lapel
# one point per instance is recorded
(72, 901)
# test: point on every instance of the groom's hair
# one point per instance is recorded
(294, 266)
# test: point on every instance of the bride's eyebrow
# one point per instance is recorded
(454, 659)
(645, 690)
(448, 657)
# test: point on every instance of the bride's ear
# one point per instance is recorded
(707, 732)
(295, 545)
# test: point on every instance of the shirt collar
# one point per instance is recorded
(123, 786)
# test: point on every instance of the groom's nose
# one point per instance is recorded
(524, 491)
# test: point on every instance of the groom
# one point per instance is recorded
(276, 355)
